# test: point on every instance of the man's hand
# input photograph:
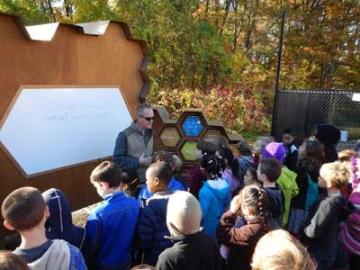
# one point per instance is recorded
(145, 161)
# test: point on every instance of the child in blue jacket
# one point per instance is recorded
(111, 225)
(152, 227)
(214, 196)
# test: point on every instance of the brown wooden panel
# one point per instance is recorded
(71, 58)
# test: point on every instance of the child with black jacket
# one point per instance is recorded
(322, 232)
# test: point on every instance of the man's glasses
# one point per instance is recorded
(148, 118)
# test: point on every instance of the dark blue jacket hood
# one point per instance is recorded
(59, 224)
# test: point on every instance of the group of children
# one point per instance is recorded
(257, 210)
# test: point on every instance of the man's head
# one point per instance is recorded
(144, 116)
(158, 176)
(269, 170)
(288, 136)
(24, 209)
(105, 177)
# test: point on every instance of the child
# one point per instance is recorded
(324, 226)
(230, 168)
(111, 225)
(245, 159)
(329, 136)
(279, 250)
(193, 249)
(197, 175)
(25, 211)
(268, 172)
(214, 196)
(292, 152)
(311, 157)
(259, 146)
(130, 183)
(11, 261)
(252, 206)
(152, 221)
(287, 178)
(59, 224)
(350, 230)
(250, 178)
(174, 184)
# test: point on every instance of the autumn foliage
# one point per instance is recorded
(221, 55)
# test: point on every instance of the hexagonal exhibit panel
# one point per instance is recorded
(170, 137)
(211, 133)
(188, 150)
(192, 126)
(51, 128)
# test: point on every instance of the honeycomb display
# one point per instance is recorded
(181, 135)
(188, 150)
(170, 137)
(192, 126)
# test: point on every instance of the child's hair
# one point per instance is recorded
(162, 170)
(346, 155)
(130, 178)
(143, 267)
(289, 131)
(252, 170)
(312, 154)
(336, 173)
(107, 172)
(255, 199)
(206, 148)
(212, 166)
(244, 148)
(178, 163)
(219, 141)
(227, 155)
(23, 208)
(261, 142)
(164, 156)
(11, 261)
(278, 250)
(271, 167)
(255, 180)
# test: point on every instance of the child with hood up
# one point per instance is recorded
(193, 249)
(329, 136)
(59, 224)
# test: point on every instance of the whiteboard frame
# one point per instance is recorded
(48, 88)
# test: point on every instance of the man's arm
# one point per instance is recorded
(121, 157)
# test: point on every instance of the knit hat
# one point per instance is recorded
(275, 150)
(183, 214)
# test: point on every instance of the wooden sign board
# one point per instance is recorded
(66, 60)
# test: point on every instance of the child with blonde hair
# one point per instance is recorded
(281, 251)
(325, 223)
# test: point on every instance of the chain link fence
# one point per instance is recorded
(301, 110)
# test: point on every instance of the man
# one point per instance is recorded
(134, 145)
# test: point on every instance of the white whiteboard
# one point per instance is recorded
(50, 128)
